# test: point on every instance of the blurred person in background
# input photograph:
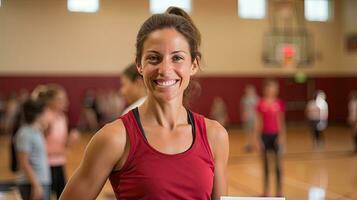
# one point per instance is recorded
(58, 138)
(271, 132)
(13, 121)
(352, 117)
(2, 113)
(13, 110)
(219, 111)
(317, 114)
(33, 178)
(88, 120)
(102, 107)
(132, 88)
(117, 104)
(248, 105)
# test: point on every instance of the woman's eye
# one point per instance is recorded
(177, 58)
(153, 58)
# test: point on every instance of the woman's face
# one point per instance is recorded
(271, 90)
(45, 119)
(166, 64)
(250, 90)
(60, 101)
(128, 89)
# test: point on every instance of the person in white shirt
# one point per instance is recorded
(317, 114)
(248, 105)
(132, 88)
(352, 117)
(219, 111)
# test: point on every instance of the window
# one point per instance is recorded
(89, 6)
(160, 6)
(251, 9)
(317, 10)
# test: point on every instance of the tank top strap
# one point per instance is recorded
(132, 132)
(201, 133)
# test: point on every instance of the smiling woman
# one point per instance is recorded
(166, 64)
(160, 150)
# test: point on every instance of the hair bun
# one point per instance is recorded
(177, 11)
(172, 10)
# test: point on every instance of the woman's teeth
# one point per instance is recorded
(165, 83)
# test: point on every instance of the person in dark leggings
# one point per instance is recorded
(13, 157)
(270, 131)
(58, 138)
(317, 114)
(33, 178)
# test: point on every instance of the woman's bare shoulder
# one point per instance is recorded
(111, 137)
(214, 127)
(217, 134)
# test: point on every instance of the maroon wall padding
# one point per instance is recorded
(229, 88)
(76, 87)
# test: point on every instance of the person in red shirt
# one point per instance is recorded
(270, 131)
(159, 150)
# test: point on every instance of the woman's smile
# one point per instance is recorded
(165, 83)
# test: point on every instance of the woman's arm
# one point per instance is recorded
(102, 154)
(243, 111)
(282, 128)
(218, 139)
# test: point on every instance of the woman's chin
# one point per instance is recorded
(166, 96)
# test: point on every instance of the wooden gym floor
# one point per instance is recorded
(332, 168)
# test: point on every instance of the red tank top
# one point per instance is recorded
(150, 174)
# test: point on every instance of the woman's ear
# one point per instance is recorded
(139, 68)
(195, 66)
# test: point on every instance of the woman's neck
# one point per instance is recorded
(270, 98)
(55, 110)
(166, 114)
(37, 125)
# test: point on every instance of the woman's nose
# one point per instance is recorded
(165, 66)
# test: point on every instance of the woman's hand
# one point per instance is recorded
(36, 192)
(74, 137)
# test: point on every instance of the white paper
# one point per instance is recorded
(252, 198)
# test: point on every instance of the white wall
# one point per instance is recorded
(42, 37)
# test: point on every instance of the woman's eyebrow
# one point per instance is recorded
(152, 51)
(178, 51)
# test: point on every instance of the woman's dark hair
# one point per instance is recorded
(132, 72)
(32, 109)
(179, 20)
(318, 93)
